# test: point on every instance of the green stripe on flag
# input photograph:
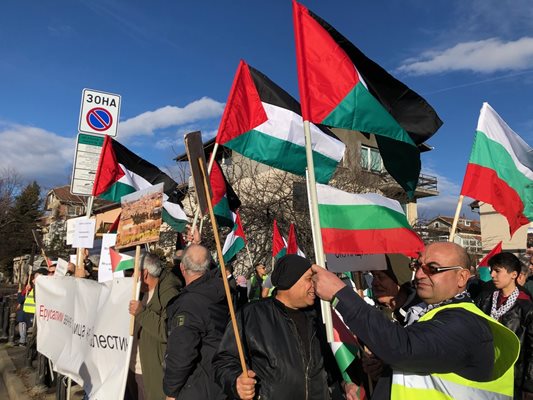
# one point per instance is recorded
(281, 154)
(356, 217)
(177, 224)
(116, 191)
(344, 356)
(491, 154)
(360, 111)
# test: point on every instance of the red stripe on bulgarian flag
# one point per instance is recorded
(371, 241)
(483, 184)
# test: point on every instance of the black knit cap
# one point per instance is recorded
(288, 270)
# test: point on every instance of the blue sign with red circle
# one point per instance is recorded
(99, 119)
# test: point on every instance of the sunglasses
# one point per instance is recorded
(431, 269)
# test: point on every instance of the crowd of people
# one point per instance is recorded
(431, 331)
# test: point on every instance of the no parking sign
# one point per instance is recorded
(99, 112)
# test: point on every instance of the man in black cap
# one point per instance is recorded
(283, 341)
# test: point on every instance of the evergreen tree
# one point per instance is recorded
(22, 217)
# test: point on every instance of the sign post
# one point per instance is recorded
(99, 112)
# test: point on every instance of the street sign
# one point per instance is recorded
(99, 112)
(88, 148)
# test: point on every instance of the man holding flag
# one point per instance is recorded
(448, 350)
(284, 342)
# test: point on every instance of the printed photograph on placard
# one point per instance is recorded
(140, 220)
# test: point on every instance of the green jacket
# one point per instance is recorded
(153, 335)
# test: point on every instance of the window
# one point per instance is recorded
(371, 159)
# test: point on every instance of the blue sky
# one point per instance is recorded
(173, 63)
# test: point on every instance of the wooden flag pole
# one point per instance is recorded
(136, 286)
(456, 218)
(223, 270)
(209, 167)
(315, 225)
(249, 255)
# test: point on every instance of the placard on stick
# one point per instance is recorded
(140, 220)
(195, 152)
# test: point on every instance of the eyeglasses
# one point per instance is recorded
(431, 269)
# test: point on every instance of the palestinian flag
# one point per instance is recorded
(120, 262)
(346, 350)
(235, 241)
(500, 170)
(340, 87)
(364, 224)
(225, 201)
(121, 172)
(292, 243)
(483, 267)
(262, 122)
(279, 245)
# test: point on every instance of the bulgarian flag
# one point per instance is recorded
(120, 262)
(364, 224)
(235, 241)
(292, 243)
(121, 172)
(225, 201)
(346, 350)
(340, 87)
(279, 245)
(500, 170)
(262, 122)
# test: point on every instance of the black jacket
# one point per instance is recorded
(273, 350)
(454, 340)
(196, 321)
(519, 319)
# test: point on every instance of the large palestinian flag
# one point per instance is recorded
(340, 87)
(121, 172)
(500, 170)
(364, 224)
(235, 241)
(225, 201)
(262, 122)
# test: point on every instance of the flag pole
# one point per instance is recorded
(456, 218)
(315, 225)
(209, 167)
(229, 298)
(136, 286)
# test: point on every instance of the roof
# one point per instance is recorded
(464, 225)
(64, 196)
(208, 148)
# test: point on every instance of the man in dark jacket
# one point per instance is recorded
(281, 340)
(196, 322)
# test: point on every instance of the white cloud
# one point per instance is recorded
(36, 154)
(490, 55)
(168, 116)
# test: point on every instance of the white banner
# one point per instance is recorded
(83, 327)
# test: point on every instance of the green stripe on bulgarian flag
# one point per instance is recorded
(500, 171)
(364, 224)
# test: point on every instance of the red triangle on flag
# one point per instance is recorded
(244, 109)
(108, 171)
(496, 250)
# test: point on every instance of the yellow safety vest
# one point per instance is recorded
(29, 303)
(450, 386)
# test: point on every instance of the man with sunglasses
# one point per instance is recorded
(449, 348)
